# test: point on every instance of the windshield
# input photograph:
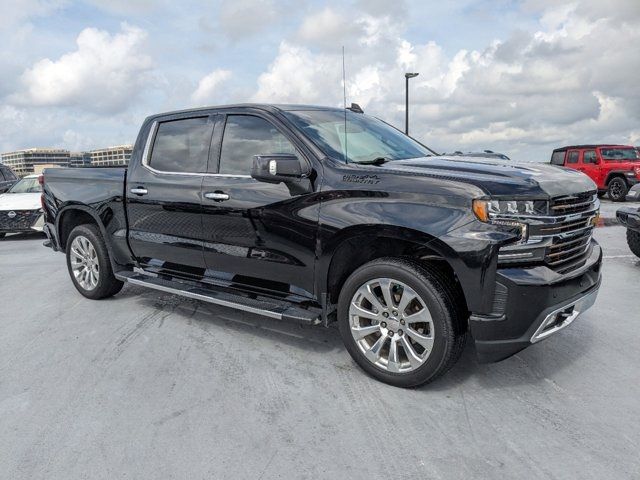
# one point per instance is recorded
(366, 138)
(624, 154)
(26, 185)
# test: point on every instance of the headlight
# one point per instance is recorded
(488, 210)
(509, 213)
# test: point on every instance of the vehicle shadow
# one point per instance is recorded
(538, 364)
(210, 317)
(13, 237)
(532, 366)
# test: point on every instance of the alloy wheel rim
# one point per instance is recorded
(391, 325)
(616, 189)
(84, 263)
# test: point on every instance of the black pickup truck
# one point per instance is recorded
(629, 217)
(315, 214)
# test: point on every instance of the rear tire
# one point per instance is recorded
(88, 263)
(633, 240)
(617, 189)
(2, 234)
(429, 332)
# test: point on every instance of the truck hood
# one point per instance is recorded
(499, 177)
(20, 201)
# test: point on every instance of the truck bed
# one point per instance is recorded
(92, 192)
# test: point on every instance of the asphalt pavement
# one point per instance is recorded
(148, 385)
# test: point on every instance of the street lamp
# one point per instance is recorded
(407, 76)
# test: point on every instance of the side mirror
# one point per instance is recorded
(276, 168)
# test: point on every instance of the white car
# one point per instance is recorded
(20, 207)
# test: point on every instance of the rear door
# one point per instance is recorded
(164, 194)
(255, 233)
(572, 159)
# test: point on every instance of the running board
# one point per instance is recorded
(280, 310)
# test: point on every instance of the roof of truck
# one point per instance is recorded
(608, 145)
(261, 106)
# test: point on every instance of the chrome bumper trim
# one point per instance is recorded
(577, 307)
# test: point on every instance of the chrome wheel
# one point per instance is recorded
(84, 263)
(391, 325)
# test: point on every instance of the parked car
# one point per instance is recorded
(483, 154)
(284, 212)
(630, 218)
(20, 207)
(633, 195)
(7, 178)
(614, 168)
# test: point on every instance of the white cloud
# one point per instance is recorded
(105, 73)
(208, 88)
(242, 19)
(573, 80)
(14, 12)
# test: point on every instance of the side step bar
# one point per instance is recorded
(280, 310)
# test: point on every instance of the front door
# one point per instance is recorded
(163, 195)
(256, 233)
(591, 167)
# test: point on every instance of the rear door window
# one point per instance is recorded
(573, 156)
(182, 146)
(2, 178)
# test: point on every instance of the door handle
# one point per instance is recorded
(217, 196)
(139, 191)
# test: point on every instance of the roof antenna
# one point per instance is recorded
(344, 95)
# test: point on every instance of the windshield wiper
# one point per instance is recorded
(375, 161)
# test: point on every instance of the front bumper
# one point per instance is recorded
(534, 303)
(19, 221)
(629, 217)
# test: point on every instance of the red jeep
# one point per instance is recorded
(614, 168)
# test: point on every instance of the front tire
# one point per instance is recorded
(88, 263)
(633, 240)
(401, 321)
(617, 189)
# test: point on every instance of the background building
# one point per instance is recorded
(111, 156)
(33, 160)
(23, 161)
(80, 159)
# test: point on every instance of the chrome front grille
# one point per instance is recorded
(570, 236)
(19, 220)
(562, 239)
(568, 204)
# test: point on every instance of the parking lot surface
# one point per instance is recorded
(150, 385)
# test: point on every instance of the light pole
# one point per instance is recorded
(407, 76)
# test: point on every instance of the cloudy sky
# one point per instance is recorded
(519, 77)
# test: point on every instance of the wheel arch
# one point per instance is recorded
(72, 216)
(354, 246)
(616, 174)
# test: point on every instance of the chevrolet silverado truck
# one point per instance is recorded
(319, 215)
